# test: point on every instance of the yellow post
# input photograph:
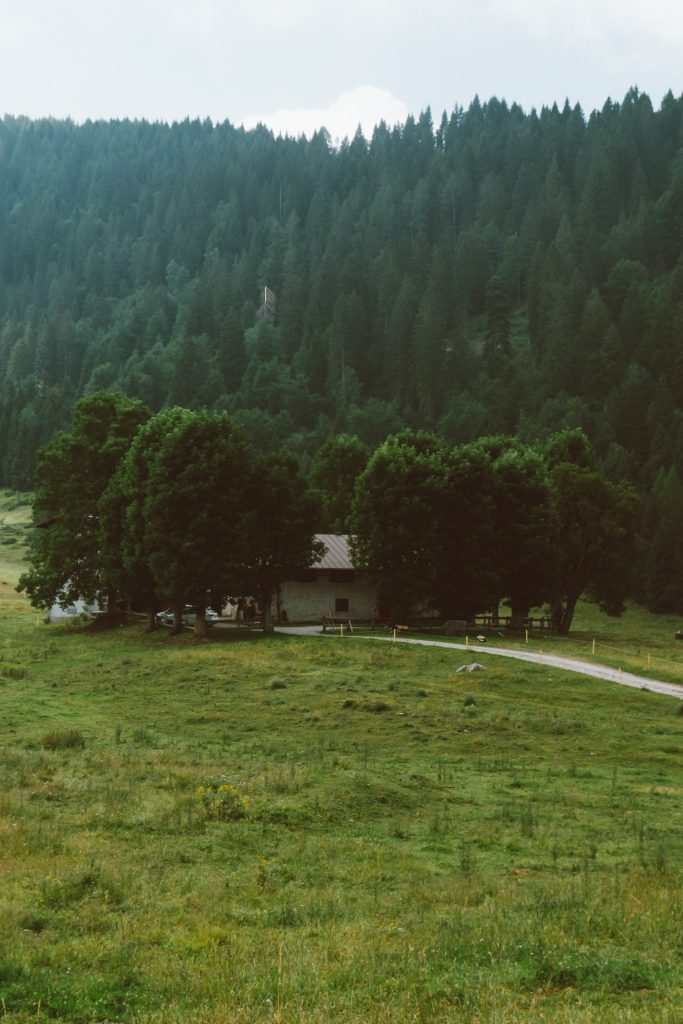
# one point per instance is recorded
(541, 653)
(467, 641)
(526, 636)
(593, 645)
(341, 629)
(394, 634)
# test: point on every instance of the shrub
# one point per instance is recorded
(222, 801)
(377, 706)
(63, 739)
(588, 970)
(14, 672)
(142, 735)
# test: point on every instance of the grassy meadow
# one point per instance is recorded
(328, 830)
(636, 641)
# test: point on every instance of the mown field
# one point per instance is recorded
(396, 842)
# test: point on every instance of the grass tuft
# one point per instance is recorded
(63, 739)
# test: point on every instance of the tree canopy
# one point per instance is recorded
(461, 530)
(501, 273)
(73, 473)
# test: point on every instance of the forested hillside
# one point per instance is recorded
(496, 271)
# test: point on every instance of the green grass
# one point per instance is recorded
(417, 845)
(637, 641)
(15, 516)
(397, 842)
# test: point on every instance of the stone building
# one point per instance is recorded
(331, 587)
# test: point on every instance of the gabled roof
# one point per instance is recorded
(337, 555)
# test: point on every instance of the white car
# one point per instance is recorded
(189, 615)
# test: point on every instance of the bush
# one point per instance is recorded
(222, 801)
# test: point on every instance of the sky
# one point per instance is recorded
(297, 65)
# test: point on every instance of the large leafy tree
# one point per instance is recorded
(395, 522)
(466, 580)
(596, 529)
(280, 528)
(122, 517)
(334, 472)
(664, 560)
(596, 540)
(73, 472)
(194, 509)
(522, 524)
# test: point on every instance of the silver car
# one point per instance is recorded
(188, 616)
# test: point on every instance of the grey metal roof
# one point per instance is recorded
(337, 555)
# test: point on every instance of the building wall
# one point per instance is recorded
(79, 607)
(310, 601)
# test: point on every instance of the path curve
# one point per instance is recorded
(586, 668)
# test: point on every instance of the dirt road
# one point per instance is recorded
(612, 675)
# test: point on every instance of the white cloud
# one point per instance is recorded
(365, 105)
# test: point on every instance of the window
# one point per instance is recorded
(341, 604)
(342, 575)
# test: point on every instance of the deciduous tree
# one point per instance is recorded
(72, 473)
(596, 540)
(194, 510)
(280, 527)
(334, 472)
(394, 524)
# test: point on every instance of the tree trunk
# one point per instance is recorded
(567, 616)
(177, 620)
(200, 625)
(113, 613)
(266, 609)
(556, 612)
(265, 600)
(517, 616)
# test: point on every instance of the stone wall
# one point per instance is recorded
(308, 602)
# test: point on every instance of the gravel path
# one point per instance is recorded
(585, 668)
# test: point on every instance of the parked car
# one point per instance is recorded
(165, 618)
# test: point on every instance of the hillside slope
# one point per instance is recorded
(491, 271)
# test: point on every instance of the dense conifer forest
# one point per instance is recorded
(492, 272)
